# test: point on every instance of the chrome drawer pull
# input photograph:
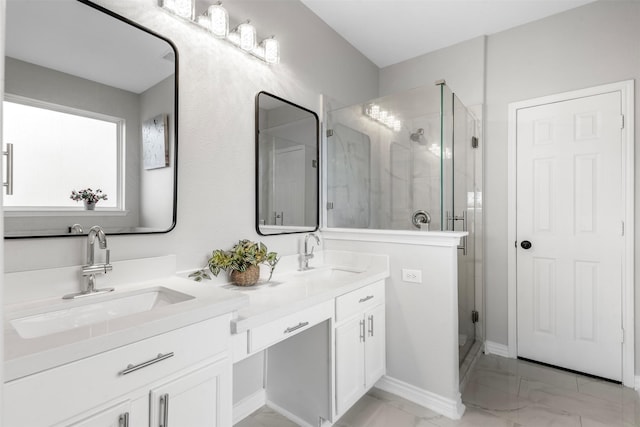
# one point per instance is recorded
(123, 421)
(295, 328)
(133, 368)
(367, 298)
(362, 335)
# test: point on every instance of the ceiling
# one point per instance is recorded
(392, 31)
(76, 39)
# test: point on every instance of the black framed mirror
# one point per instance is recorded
(287, 167)
(91, 102)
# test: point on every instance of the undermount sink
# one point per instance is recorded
(90, 312)
(329, 273)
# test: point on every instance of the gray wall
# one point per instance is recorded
(218, 84)
(592, 45)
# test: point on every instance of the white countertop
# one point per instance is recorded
(292, 291)
(334, 273)
(27, 356)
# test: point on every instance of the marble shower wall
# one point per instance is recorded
(377, 177)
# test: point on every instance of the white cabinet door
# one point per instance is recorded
(375, 349)
(349, 363)
(199, 398)
(114, 416)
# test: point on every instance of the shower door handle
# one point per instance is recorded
(453, 220)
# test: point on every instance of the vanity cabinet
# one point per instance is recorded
(115, 416)
(180, 376)
(193, 399)
(360, 343)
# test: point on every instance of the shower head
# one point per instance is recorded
(417, 135)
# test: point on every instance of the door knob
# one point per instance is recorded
(525, 244)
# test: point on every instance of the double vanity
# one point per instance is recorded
(160, 349)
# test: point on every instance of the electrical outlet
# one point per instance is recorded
(411, 276)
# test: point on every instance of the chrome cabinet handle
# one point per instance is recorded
(9, 182)
(365, 299)
(123, 421)
(132, 368)
(371, 325)
(295, 328)
(164, 406)
(362, 336)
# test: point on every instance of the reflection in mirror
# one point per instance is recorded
(90, 102)
(286, 167)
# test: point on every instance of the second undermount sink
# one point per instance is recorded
(332, 273)
(90, 312)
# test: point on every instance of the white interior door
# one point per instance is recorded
(289, 186)
(570, 208)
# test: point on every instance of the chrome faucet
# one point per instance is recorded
(91, 269)
(308, 255)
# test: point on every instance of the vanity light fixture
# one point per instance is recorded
(216, 21)
(383, 117)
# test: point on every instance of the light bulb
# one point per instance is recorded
(247, 33)
(375, 111)
(271, 50)
(219, 20)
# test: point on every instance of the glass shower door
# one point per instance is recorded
(459, 201)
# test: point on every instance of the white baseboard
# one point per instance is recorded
(491, 347)
(249, 405)
(450, 408)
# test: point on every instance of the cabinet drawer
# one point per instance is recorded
(67, 390)
(359, 300)
(268, 334)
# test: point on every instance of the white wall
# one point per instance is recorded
(218, 84)
(588, 46)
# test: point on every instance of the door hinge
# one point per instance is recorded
(475, 316)
(622, 335)
(329, 205)
(623, 228)
(329, 132)
(622, 121)
(474, 142)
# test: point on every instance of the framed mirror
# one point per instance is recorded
(90, 103)
(287, 169)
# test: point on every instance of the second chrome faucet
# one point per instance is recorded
(308, 254)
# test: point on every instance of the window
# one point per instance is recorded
(59, 149)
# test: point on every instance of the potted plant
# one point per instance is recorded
(89, 197)
(241, 263)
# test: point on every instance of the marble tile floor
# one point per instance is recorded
(499, 392)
